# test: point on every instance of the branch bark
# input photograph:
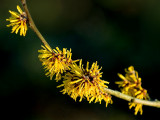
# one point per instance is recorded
(120, 95)
(32, 24)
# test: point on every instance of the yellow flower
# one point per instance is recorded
(131, 85)
(138, 107)
(129, 81)
(140, 94)
(85, 83)
(55, 61)
(18, 21)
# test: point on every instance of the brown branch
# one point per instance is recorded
(32, 24)
(132, 99)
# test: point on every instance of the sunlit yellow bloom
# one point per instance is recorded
(55, 61)
(131, 85)
(138, 107)
(140, 94)
(85, 83)
(18, 21)
(130, 81)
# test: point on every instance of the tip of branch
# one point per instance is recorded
(156, 100)
(23, 2)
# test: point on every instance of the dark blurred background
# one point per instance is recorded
(116, 33)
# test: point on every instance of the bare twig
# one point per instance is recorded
(32, 25)
(132, 99)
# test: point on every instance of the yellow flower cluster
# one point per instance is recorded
(85, 83)
(18, 21)
(77, 81)
(131, 85)
(55, 61)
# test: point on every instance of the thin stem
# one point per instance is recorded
(32, 25)
(132, 99)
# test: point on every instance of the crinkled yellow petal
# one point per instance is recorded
(14, 28)
(22, 28)
(17, 29)
(14, 14)
(12, 24)
(19, 9)
(131, 68)
(48, 48)
(121, 76)
(76, 81)
(25, 29)
(14, 20)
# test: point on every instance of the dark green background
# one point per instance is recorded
(116, 33)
